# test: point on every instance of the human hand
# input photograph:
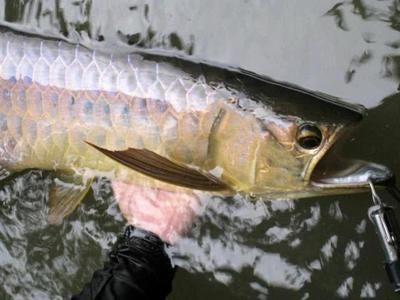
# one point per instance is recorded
(167, 214)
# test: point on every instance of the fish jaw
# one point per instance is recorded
(349, 174)
(353, 176)
(334, 174)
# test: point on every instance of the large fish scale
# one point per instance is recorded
(56, 96)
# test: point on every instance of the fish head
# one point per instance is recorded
(289, 152)
(304, 144)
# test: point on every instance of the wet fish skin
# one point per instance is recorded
(55, 97)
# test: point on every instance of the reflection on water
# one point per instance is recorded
(39, 261)
(79, 20)
(385, 13)
(388, 12)
(335, 47)
(238, 249)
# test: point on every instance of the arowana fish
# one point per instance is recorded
(164, 122)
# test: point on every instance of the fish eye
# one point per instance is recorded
(309, 137)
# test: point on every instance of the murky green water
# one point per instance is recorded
(303, 249)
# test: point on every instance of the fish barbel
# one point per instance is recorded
(165, 122)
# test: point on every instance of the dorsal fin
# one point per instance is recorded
(161, 168)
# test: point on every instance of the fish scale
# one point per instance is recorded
(141, 117)
(57, 96)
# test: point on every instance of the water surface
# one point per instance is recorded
(238, 249)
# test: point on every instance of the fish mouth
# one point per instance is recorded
(330, 171)
(340, 173)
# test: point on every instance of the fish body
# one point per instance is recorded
(59, 101)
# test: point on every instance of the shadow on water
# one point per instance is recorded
(377, 138)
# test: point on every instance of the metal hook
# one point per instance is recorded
(375, 197)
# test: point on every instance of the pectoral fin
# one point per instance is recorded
(4, 173)
(161, 168)
(65, 194)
